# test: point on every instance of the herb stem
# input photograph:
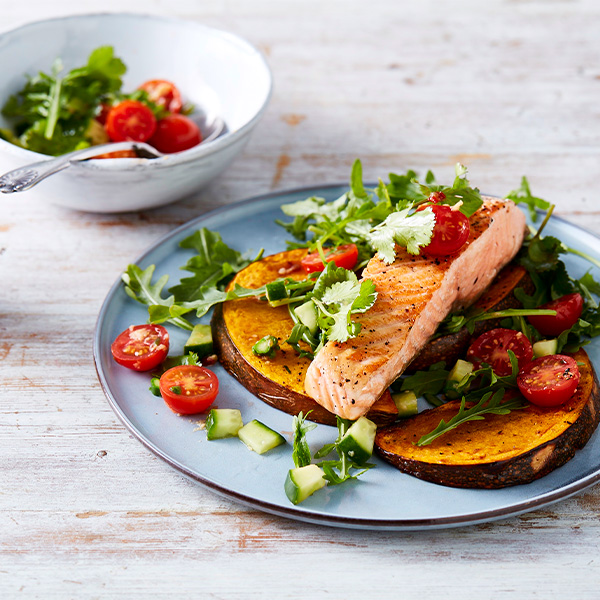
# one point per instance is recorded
(584, 255)
(515, 312)
(545, 221)
(53, 109)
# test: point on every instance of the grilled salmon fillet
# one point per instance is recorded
(415, 293)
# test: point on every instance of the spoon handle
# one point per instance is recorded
(23, 178)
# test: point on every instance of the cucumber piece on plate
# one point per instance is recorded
(459, 370)
(406, 403)
(200, 341)
(276, 290)
(223, 423)
(260, 438)
(307, 315)
(545, 348)
(302, 482)
(358, 441)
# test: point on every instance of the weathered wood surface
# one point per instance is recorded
(508, 87)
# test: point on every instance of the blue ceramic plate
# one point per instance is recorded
(383, 498)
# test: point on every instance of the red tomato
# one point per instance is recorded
(188, 389)
(549, 380)
(343, 256)
(130, 121)
(568, 309)
(141, 347)
(163, 93)
(450, 232)
(436, 197)
(492, 348)
(103, 113)
(175, 133)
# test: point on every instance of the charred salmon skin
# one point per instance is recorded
(415, 293)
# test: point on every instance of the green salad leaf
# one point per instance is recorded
(53, 111)
(213, 264)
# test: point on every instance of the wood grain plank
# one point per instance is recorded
(508, 87)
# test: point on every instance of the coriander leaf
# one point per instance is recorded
(412, 232)
(338, 294)
(330, 275)
(404, 189)
(301, 450)
(541, 253)
(341, 292)
(490, 403)
(366, 297)
(522, 195)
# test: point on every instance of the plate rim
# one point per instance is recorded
(295, 512)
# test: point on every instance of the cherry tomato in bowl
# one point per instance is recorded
(130, 120)
(141, 347)
(343, 256)
(175, 133)
(450, 232)
(549, 380)
(492, 348)
(164, 94)
(568, 310)
(188, 389)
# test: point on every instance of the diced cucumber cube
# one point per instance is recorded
(358, 441)
(223, 423)
(406, 403)
(545, 348)
(459, 370)
(200, 341)
(276, 290)
(302, 482)
(307, 315)
(260, 438)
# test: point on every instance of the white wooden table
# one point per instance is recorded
(508, 87)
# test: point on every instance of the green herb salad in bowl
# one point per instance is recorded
(119, 77)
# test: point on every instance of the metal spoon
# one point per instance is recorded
(26, 177)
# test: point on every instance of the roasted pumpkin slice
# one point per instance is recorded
(279, 381)
(501, 450)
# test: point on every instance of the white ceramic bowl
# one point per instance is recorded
(218, 72)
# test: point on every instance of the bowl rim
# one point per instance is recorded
(192, 154)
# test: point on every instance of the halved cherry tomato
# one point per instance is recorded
(549, 380)
(130, 120)
(450, 232)
(188, 389)
(343, 256)
(492, 348)
(568, 309)
(163, 93)
(141, 347)
(175, 133)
